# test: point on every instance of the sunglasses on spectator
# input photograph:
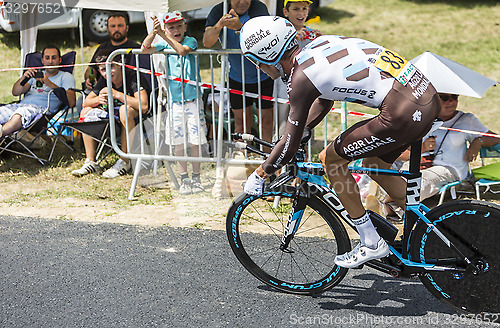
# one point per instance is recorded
(448, 97)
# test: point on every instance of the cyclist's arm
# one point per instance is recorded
(318, 111)
(302, 95)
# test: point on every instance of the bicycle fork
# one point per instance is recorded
(294, 219)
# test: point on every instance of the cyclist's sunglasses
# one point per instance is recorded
(448, 97)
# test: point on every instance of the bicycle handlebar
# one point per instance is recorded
(241, 145)
(251, 137)
(299, 156)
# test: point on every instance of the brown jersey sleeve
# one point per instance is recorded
(305, 107)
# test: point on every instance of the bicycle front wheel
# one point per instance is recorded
(255, 227)
(473, 227)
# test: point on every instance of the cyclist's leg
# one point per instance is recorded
(342, 181)
(395, 186)
(371, 245)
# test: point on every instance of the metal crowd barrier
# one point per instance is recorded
(148, 146)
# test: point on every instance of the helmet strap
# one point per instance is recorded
(284, 77)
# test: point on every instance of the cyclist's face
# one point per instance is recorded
(270, 70)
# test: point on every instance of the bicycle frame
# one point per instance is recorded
(313, 184)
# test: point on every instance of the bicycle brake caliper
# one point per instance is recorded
(294, 218)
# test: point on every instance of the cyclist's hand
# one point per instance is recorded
(254, 185)
(306, 135)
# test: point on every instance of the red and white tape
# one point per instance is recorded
(239, 92)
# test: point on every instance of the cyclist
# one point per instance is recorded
(336, 68)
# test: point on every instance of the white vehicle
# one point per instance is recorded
(54, 16)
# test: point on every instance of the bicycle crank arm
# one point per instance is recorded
(384, 267)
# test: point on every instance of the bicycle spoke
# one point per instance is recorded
(310, 229)
(263, 221)
(310, 257)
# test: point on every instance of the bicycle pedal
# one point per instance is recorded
(358, 267)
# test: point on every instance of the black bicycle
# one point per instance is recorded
(289, 236)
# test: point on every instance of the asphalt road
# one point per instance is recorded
(56, 273)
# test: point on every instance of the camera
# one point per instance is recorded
(38, 74)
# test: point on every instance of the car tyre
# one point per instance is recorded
(95, 25)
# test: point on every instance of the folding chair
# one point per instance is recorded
(452, 186)
(39, 127)
(100, 132)
(488, 175)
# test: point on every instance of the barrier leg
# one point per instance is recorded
(137, 170)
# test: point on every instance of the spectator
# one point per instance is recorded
(296, 11)
(451, 154)
(184, 118)
(13, 117)
(117, 27)
(240, 12)
(95, 105)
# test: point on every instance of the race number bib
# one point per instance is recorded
(391, 62)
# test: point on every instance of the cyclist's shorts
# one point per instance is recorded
(406, 115)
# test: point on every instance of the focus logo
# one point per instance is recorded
(35, 12)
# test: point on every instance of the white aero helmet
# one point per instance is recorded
(265, 38)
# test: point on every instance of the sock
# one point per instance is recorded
(196, 177)
(368, 235)
(184, 176)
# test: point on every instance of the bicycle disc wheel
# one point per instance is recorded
(255, 228)
(473, 227)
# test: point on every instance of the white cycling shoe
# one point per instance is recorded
(361, 254)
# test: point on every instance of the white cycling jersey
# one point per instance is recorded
(359, 80)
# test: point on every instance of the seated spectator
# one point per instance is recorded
(13, 117)
(96, 104)
(184, 118)
(452, 155)
(117, 27)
